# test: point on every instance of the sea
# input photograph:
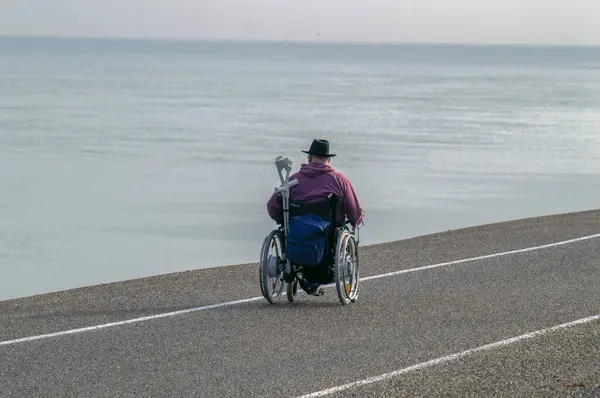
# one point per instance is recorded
(122, 159)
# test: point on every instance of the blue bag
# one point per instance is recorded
(307, 239)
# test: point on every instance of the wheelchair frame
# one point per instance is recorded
(276, 270)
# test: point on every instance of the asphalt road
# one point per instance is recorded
(314, 344)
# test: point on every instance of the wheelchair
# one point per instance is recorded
(340, 264)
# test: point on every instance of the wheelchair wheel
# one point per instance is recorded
(346, 267)
(271, 267)
(291, 290)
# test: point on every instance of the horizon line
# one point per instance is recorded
(295, 41)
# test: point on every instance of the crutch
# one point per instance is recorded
(285, 164)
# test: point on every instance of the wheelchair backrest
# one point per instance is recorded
(326, 208)
(311, 231)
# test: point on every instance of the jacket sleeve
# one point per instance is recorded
(351, 205)
(275, 207)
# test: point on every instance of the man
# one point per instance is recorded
(316, 180)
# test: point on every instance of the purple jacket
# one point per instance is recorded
(315, 181)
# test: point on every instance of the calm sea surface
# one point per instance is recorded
(122, 159)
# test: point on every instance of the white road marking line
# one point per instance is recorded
(452, 357)
(528, 249)
(128, 321)
(231, 303)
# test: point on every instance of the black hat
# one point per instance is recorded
(320, 148)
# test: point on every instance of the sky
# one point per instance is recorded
(560, 22)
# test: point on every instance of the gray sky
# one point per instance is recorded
(466, 21)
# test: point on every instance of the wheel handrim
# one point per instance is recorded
(345, 283)
(350, 268)
(353, 291)
(272, 287)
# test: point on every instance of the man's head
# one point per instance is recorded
(319, 159)
(319, 152)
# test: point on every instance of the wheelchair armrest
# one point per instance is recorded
(343, 223)
(346, 223)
